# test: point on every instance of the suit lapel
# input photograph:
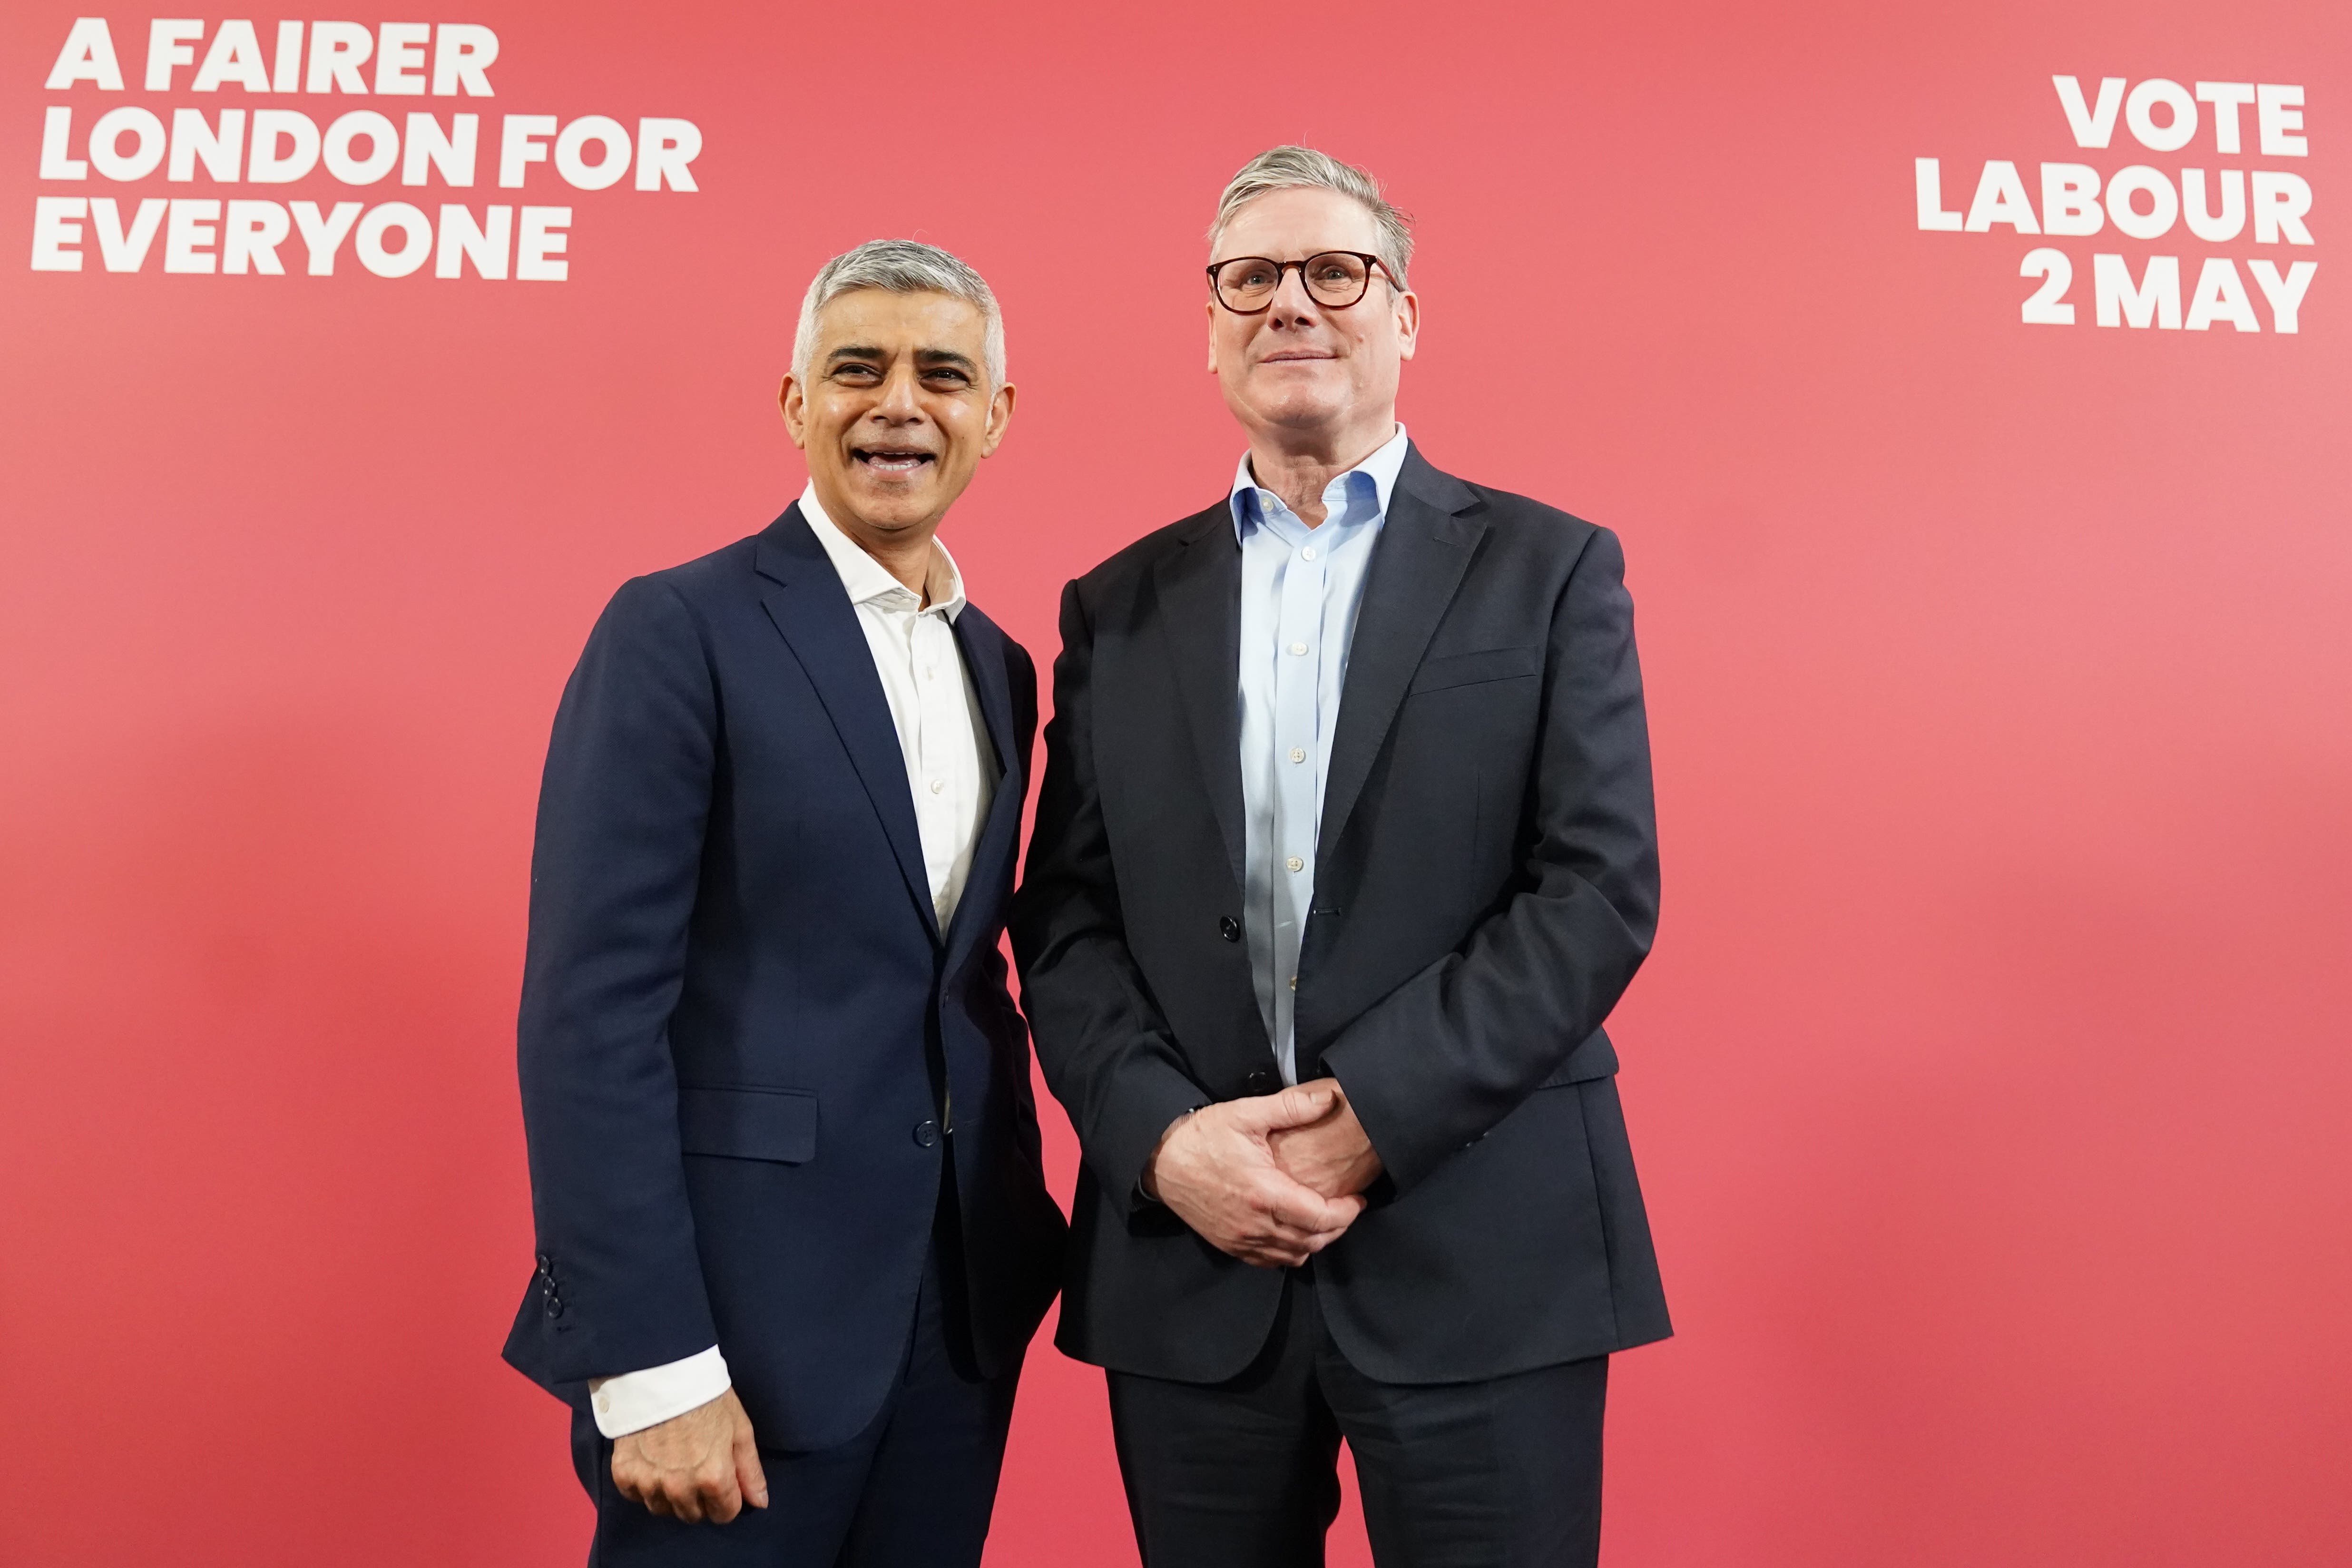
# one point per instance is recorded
(1199, 590)
(1424, 548)
(982, 648)
(812, 612)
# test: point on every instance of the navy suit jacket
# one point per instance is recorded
(1485, 885)
(740, 1021)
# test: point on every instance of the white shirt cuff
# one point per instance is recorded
(637, 1400)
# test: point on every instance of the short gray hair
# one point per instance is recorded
(900, 267)
(1296, 168)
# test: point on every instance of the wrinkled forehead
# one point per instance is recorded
(886, 319)
(1288, 224)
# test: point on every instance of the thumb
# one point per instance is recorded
(1294, 1107)
(748, 1475)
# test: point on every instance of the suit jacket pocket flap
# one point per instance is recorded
(1469, 668)
(1596, 1057)
(747, 1123)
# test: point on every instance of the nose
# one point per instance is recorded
(898, 403)
(1293, 305)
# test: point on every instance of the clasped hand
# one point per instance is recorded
(1272, 1179)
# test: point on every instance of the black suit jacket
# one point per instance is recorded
(1486, 884)
(738, 1012)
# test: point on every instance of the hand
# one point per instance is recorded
(1332, 1155)
(1216, 1169)
(701, 1464)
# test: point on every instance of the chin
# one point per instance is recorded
(895, 505)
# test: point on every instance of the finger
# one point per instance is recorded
(625, 1478)
(1301, 1209)
(750, 1475)
(720, 1498)
(1293, 1106)
(684, 1497)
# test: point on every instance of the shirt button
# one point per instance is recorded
(1298, 647)
(1294, 982)
(1298, 753)
(603, 1404)
(1295, 864)
(1308, 553)
(938, 784)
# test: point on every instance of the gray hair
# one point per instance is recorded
(1297, 168)
(900, 267)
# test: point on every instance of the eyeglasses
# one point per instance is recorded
(1334, 278)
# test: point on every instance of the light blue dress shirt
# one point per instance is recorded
(1301, 588)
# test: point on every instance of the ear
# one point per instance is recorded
(1000, 415)
(1211, 306)
(794, 408)
(1408, 321)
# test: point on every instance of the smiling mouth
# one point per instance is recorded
(891, 462)
(1296, 356)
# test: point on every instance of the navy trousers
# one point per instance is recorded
(913, 1490)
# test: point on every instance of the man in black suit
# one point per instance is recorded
(1346, 790)
(792, 1231)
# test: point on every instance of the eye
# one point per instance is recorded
(948, 377)
(854, 372)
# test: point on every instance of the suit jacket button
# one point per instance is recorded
(927, 1133)
(1261, 1081)
(1228, 928)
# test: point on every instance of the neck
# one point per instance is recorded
(1298, 464)
(904, 550)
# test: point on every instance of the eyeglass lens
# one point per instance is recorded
(1334, 278)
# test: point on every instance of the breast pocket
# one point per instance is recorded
(1475, 668)
(743, 1123)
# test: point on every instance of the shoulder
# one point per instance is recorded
(726, 570)
(1123, 572)
(1523, 520)
(677, 604)
(1522, 531)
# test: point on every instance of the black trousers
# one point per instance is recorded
(1505, 1473)
(915, 1489)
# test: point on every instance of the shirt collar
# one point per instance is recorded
(1381, 468)
(868, 581)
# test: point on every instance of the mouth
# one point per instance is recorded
(1293, 356)
(891, 462)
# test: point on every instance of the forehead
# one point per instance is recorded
(1286, 224)
(880, 317)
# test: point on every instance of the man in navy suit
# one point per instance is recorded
(792, 1231)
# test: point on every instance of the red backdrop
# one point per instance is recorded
(1988, 1080)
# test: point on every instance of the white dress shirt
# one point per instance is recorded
(1301, 588)
(951, 775)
